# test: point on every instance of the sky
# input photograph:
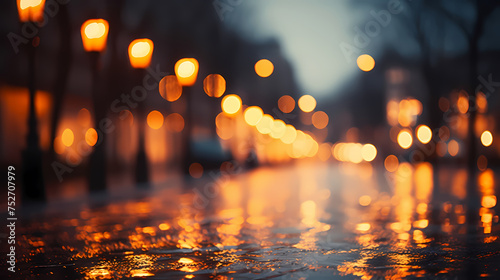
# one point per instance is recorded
(310, 36)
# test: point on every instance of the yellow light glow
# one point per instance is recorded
(185, 260)
(453, 148)
(368, 152)
(320, 119)
(278, 130)
(290, 134)
(94, 34)
(405, 139)
(231, 104)
(265, 125)
(214, 85)
(30, 10)
(155, 119)
(463, 104)
(365, 200)
(363, 227)
(424, 134)
(264, 68)
(140, 52)
(489, 201)
(307, 103)
(252, 115)
(91, 136)
(67, 137)
(170, 88)
(186, 70)
(486, 138)
(286, 103)
(365, 62)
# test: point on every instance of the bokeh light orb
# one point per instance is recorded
(155, 119)
(307, 103)
(405, 140)
(486, 138)
(366, 62)
(424, 134)
(231, 104)
(67, 137)
(252, 115)
(264, 68)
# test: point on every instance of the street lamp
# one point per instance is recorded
(94, 36)
(32, 11)
(186, 70)
(140, 52)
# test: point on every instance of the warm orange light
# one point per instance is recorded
(252, 115)
(214, 85)
(94, 35)
(169, 88)
(463, 104)
(363, 227)
(91, 136)
(405, 139)
(286, 103)
(140, 52)
(307, 103)
(264, 68)
(186, 70)
(391, 163)
(196, 170)
(366, 62)
(174, 122)
(58, 145)
(265, 124)
(290, 134)
(30, 10)
(424, 134)
(486, 138)
(368, 152)
(489, 201)
(365, 200)
(67, 137)
(453, 148)
(320, 119)
(231, 104)
(155, 119)
(278, 129)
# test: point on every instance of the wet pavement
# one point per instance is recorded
(305, 220)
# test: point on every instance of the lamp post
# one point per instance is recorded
(139, 53)
(186, 70)
(32, 155)
(94, 36)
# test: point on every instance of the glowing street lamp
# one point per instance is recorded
(140, 52)
(32, 11)
(94, 37)
(186, 70)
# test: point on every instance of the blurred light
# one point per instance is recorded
(186, 70)
(463, 104)
(91, 136)
(265, 124)
(127, 115)
(214, 85)
(264, 68)
(278, 129)
(444, 104)
(155, 119)
(252, 115)
(67, 137)
(164, 226)
(94, 35)
(30, 10)
(307, 103)
(363, 227)
(365, 62)
(489, 201)
(482, 162)
(486, 138)
(320, 119)
(140, 52)
(453, 148)
(424, 134)
(481, 102)
(185, 260)
(140, 273)
(290, 134)
(444, 133)
(84, 118)
(391, 163)
(368, 152)
(421, 223)
(286, 103)
(169, 88)
(196, 170)
(365, 200)
(405, 139)
(174, 122)
(58, 145)
(324, 151)
(231, 104)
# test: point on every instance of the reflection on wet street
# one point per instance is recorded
(302, 221)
